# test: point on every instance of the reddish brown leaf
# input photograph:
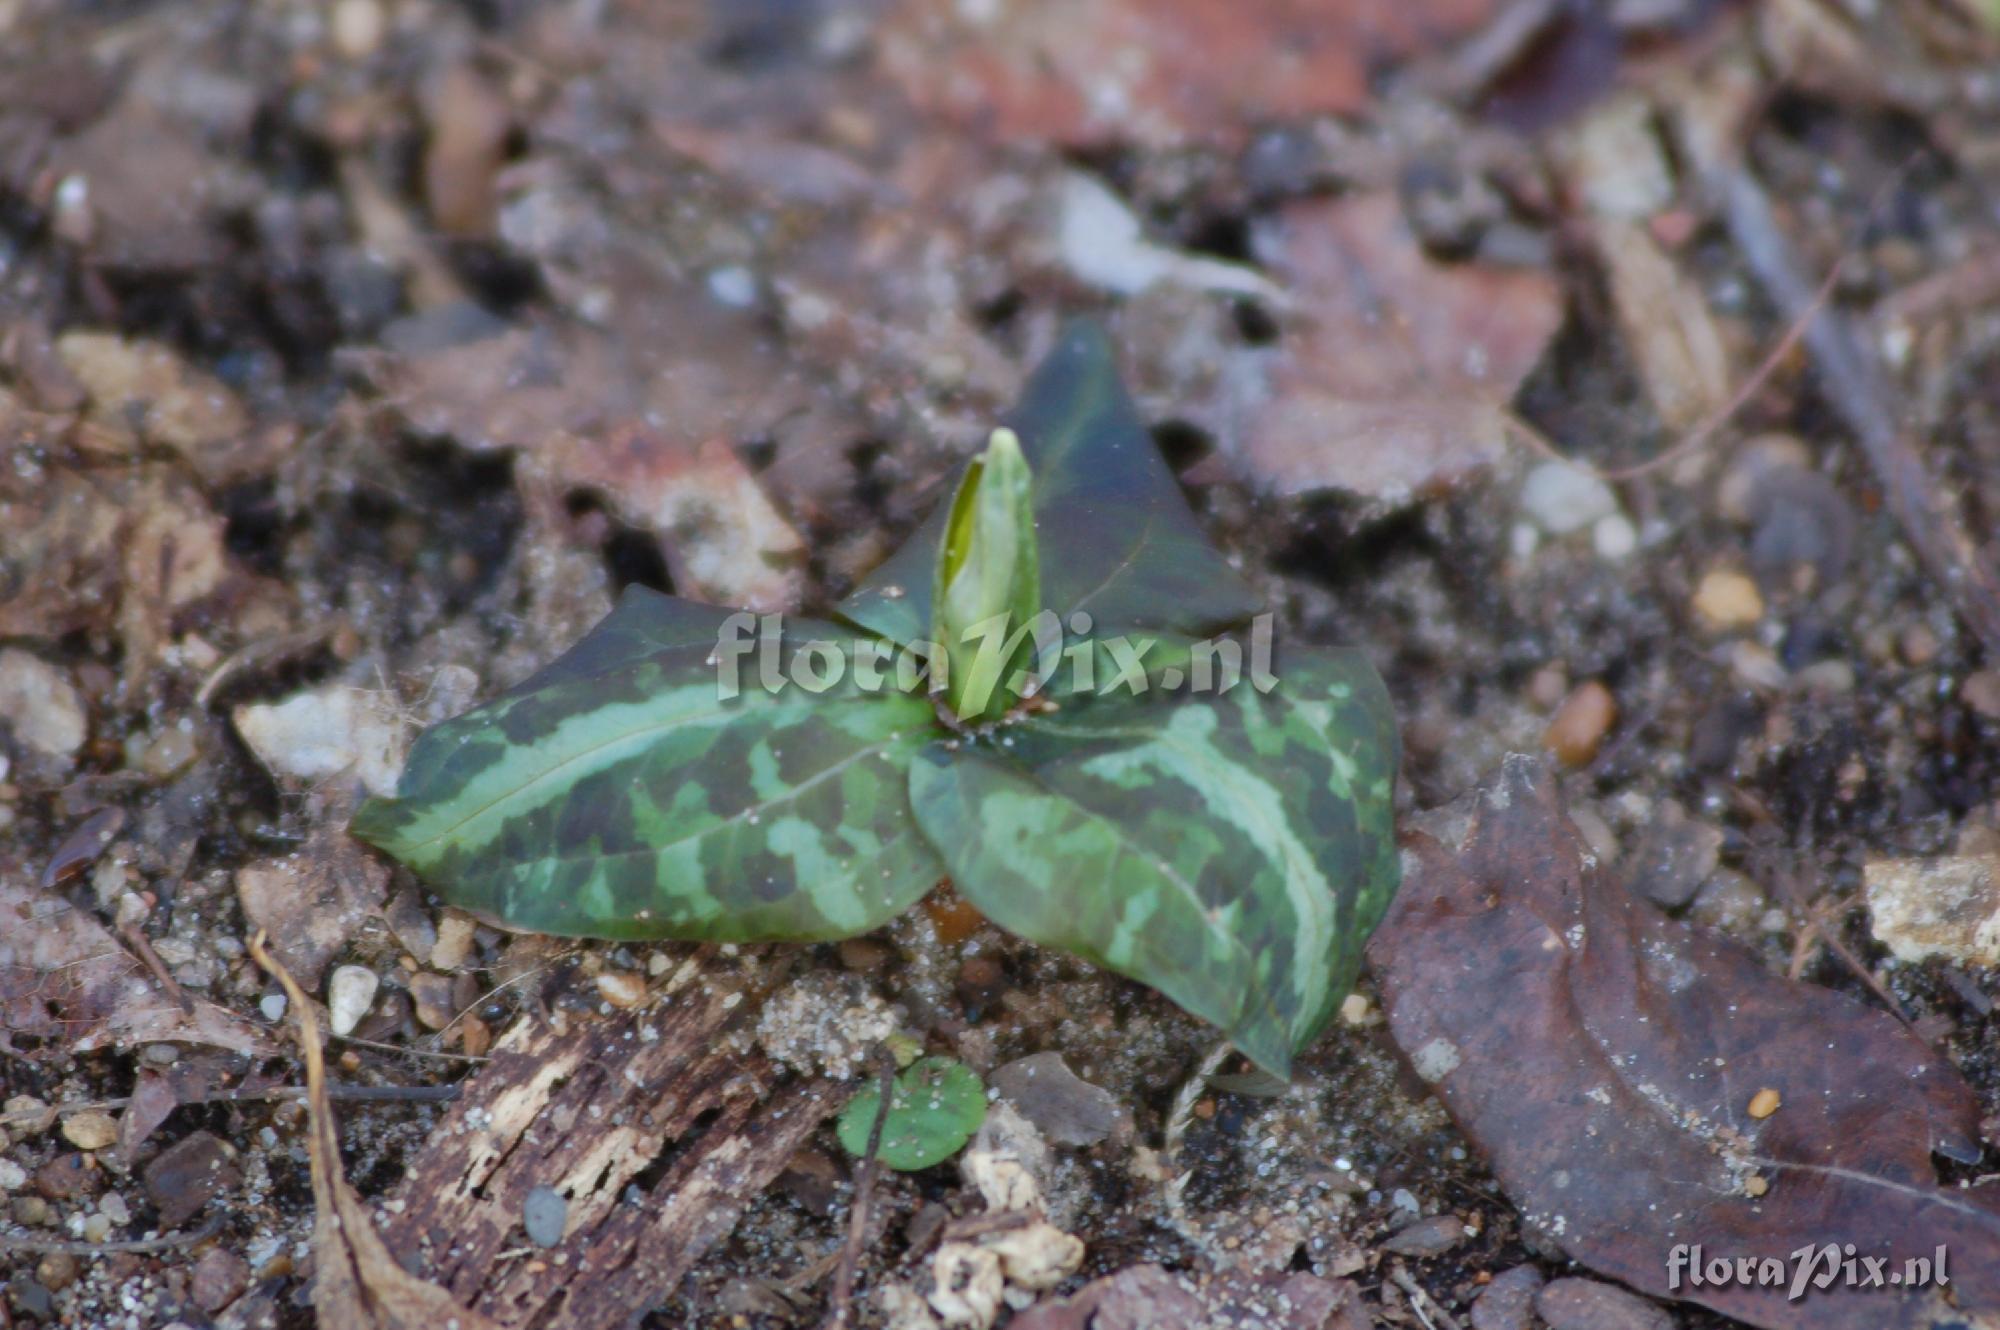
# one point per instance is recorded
(1162, 73)
(1605, 1058)
(1396, 383)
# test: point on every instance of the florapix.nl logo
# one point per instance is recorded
(1046, 659)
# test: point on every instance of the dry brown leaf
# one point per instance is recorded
(136, 550)
(67, 981)
(1396, 383)
(357, 1284)
(311, 901)
(1619, 1068)
(142, 394)
(1161, 73)
(565, 402)
(723, 540)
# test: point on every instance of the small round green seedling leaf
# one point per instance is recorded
(934, 1108)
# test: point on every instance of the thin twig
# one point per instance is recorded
(1812, 921)
(841, 1307)
(1852, 379)
(140, 943)
(1437, 1318)
(1694, 439)
(54, 1247)
(380, 1094)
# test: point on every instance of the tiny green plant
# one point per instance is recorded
(1043, 695)
(935, 1105)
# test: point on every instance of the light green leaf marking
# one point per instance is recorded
(616, 794)
(1232, 852)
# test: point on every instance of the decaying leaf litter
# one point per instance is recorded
(333, 347)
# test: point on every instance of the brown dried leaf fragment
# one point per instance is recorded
(1163, 73)
(66, 980)
(1396, 384)
(357, 1284)
(1605, 1058)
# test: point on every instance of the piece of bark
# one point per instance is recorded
(583, 1105)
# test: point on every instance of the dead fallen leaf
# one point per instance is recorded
(723, 540)
(1160, 74)
(1395, 385)
(312, 901)
(357, 1284)
(136, 550)
(143, 394)
(1605, 1057)
(139, 192)
(65, 978)
(566, 404)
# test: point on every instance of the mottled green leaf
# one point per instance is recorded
(618, 794)
(1232, 851)
(934, 1107)
(1118, 540)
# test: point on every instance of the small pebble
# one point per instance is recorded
(431, 995)
(622, 989)
(1757, 459)
(1614, 537)
(42, 707)
(1427, 1237)
(349, 995)
(1981, 692)
(1580, 724)
(12, 1176)
(112, 1206)
(220, 1277)
(734, 286)
(544, 1213)
(1561, 498)
(1727, 599)
(1918, 645)
(454, 942)
(90, 1131)
(273, 1006)
(1508, 1303)
(358, 26)
(56, 1271)
(1756, 665)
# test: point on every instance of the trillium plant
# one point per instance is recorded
(1057, 694)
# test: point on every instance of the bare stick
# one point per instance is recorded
(51, 1247)
(842, 1305)
(1855, 385)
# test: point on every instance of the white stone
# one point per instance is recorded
(1948, 906)
(328, 732)
(968, 1283)
(1614, 537)
(1561, 498)
(1038, 1256)
(349, 995)
(40, 705)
